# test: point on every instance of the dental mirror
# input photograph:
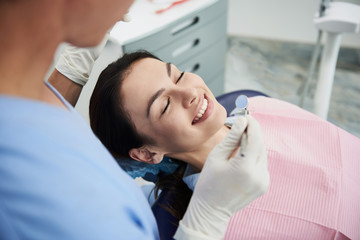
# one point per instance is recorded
(241, 102)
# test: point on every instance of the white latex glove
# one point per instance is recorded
(226, 185)
(77, 63)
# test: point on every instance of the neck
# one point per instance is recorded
(197, 158)
(28, 48)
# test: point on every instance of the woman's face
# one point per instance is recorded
(177, 110)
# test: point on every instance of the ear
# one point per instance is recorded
(145, 154)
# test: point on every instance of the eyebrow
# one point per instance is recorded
(158, 93)
(168, 68)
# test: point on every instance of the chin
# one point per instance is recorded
(220, 117)
(91, 40)
(222, 113)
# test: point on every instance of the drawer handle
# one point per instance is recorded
(185, 25)
(193, 69)
(196, 67)
(186, 47)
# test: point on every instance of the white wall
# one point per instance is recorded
(286, 20)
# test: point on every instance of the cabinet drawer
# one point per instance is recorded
(195, 42)
(177, 29)
(209, 63)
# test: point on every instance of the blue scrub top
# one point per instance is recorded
(57, 181)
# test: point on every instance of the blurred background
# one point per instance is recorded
(269, 47)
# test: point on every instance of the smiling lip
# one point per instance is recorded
(207, 112)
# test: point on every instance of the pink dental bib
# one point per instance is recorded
(314, 168)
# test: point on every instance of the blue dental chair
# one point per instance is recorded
(164, 219)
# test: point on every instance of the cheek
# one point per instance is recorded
(174, 127)
(174, 134)
(194, 80)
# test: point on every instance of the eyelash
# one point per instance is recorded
(166, 107)
(181, 75)
(168, 101)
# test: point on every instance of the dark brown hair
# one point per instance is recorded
(115, 129)
(108, 118)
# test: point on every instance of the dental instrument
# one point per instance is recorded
(241, 104)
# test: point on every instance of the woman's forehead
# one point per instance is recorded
(147, 64)
(143, 81)
(146, 72)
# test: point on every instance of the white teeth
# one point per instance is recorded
(202, 111)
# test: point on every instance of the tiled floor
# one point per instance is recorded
(280, 70)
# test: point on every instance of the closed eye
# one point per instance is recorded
(166, 107)
(168, 101)
(181, 75)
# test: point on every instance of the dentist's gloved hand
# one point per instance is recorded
(227, 185)
(77, 63)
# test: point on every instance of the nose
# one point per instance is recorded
(187, 96)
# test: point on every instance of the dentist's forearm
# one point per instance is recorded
(67, 88)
